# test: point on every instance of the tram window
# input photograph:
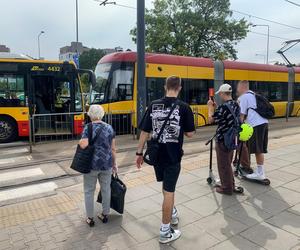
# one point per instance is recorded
(274, 91)
(12, 91)
(121, 77)
(278, 91)
(297, 92)
(155, 89)
(195, 91)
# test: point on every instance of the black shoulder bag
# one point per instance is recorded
(151, 154)
(83, 157)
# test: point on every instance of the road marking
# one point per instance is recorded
(14, 151)
(27, 191)
(20, 174)
(20, 159)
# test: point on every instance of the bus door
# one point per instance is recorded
(52, 104)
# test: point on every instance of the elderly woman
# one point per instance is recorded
(103, 164)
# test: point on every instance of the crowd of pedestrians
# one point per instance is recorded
(163, 128)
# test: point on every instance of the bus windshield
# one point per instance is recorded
(99, 89)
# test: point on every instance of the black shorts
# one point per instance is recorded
(168, 174)
(258, 143)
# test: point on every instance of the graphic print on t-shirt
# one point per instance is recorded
(172, 130)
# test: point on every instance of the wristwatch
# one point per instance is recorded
(138, 154)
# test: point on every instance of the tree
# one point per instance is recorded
(202, 28)
(89, 59)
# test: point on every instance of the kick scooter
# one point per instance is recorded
(241, 173)
(212, 179)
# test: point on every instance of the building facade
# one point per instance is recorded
(67, 53)
(4, 48)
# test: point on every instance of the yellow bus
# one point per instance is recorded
(116, 82)
(37, 87)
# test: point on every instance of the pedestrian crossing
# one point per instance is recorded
(22, 179)
(24, 193)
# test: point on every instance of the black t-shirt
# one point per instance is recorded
(225, 119)
(171, 140)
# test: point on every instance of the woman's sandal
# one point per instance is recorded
(90, 222)
(103, 218)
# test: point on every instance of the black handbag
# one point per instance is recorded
(83, 157)
(118, 191)
(151, 154)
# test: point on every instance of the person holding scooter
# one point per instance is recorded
(227, 117)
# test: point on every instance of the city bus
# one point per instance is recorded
(38, 88)
(116, 82)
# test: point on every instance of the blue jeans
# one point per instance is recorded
(89, 184)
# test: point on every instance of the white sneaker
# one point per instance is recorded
(168, 236)
(174, 220)
(256, 176)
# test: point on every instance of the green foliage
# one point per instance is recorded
(84, 79)
(89, 59)
(202, 28)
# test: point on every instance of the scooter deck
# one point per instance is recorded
(243, 174)
(265, 182)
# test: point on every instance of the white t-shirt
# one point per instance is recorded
(247, 103)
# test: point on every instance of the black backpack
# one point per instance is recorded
(232, 134)
(263, 107)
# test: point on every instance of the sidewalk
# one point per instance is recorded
(263, 218)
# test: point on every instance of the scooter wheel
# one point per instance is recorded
(266, 182)
(209, 180)
(239, 190)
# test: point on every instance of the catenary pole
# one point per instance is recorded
(141, 81)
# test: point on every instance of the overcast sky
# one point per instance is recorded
(108, 27)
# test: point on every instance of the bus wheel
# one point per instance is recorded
(8, 129)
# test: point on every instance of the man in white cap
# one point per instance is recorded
(227, 117)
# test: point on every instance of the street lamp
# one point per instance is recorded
(268, 40)
(264, 56)
(39, 46)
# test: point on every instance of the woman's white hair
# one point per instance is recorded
(96, 112)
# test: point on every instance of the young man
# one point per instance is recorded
(180, 123)
(225, 120)
(258, 144)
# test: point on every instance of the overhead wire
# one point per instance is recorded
(265, 19)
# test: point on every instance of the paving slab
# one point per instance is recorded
(194, 238)
(195, 189)
(268, 203)
(143, 229)
(294, 185)
(287, 195)
(246, 214)
(236, 243)
(287, 221)
(221, 226)
(142, 207)
(270, 237)
(203, 206)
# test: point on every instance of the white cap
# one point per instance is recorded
(224, 88)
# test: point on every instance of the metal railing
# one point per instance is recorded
(69, 126)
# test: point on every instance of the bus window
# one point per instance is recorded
(122, 85)
(12, 92)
